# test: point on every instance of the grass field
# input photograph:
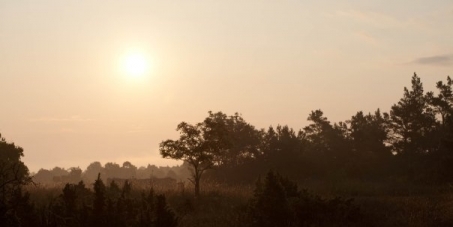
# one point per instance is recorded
(382, 204)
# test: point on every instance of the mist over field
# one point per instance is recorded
(226, 113)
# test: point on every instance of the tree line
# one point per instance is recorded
(412, 142)
(109, 170)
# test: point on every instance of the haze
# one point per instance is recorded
(67, 102)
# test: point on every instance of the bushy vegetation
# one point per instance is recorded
(102, 205)
(273, 199)
(278, 202)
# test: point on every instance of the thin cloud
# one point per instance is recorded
(438, 60)
(373, 18)
(66, 130)
(74, 118)
(138, 129)
(378, 19)
(366, 37)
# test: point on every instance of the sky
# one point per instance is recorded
(67, 99)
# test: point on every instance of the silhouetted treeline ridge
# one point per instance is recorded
(110, 170)
(413, 142)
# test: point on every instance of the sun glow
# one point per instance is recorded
(136, 65)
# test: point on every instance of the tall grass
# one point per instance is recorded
(385, 203)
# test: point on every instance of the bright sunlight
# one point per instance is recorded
(135, 65)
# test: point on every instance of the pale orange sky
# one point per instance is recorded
(67, 102)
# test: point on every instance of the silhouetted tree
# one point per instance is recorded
(328, 145)
(317, 133)
(235, 140)
(369, 134)
(13, 175)
(218, 140)
(92, 171)
(412, 120)
(99, 201)
(270, 206)
(147, 208)
(42, 176)
(282, 150)
(193, 149)
(75, 175)
(128, 170)
(69, 197)
(442, 103)
(164, 216)
(112, 170)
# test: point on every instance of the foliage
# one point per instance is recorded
(104, 206)
(412, 120)
(193, 149)
(13, 176)
(278, 202)
(218, 140)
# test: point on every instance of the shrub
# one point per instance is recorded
(278, 202)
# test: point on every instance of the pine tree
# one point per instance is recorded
(99, 202)
(412, 119)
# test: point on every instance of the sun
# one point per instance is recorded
(135, 65)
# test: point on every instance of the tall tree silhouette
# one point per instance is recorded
(443, 102)
(235, 140)
(13, 175)
(412, 120)
(92, 171)
(328, 145)
(218, 140)
(282, 149)
(99, 202)
(193, 149)
(317, 132)
(370, 133)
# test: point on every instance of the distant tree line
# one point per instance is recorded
(110, 170)
(413, 142)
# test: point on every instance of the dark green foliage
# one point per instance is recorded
(278, 202)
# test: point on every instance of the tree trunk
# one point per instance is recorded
(196, 180)
(197, 186)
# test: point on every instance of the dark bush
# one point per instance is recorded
(278, 202)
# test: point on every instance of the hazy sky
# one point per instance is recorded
(66, 100)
